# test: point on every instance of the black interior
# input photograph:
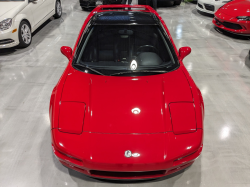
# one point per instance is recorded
(118, 45)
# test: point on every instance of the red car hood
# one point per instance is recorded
(236, 8)
(110, 101)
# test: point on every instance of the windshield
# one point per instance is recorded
(125, 50)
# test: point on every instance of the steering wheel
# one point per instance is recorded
(147, 46)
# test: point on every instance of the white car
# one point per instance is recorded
(210, 6)
(20, 18)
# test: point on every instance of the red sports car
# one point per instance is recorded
(125, 106)
(234, 17)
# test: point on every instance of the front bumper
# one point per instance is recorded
(106, 160)
(231, 24)
(8, 38)
(127, 175)
(178, 166)
(209, 6)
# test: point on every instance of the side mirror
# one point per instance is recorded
(67, 51)
(30, 1)
(183, 52)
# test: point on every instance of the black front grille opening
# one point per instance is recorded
(127, 174)
(217, 21)
(179, 168)
(232, 25)
(209, 7)
(6, 41)
(199, 5)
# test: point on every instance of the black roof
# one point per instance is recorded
(124, 18)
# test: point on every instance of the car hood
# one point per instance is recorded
(10, 9)
(127, 104)
(237, 8)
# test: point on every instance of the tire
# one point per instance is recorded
(24, 34)
(178, 2)
(58, 9)
(85, 9)
(171, 3)
(154, 5)
(141, 2)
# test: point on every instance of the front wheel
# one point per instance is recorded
(58, 8)
(178, 2)
(24, 34)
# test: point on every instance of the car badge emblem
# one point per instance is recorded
(128, 154)
(136, 111)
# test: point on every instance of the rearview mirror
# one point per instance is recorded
(67, 51)
(183, 52)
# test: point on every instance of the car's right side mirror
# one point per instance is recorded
(67, 51)
(183, 52)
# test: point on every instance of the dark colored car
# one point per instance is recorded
(86, 4)
(150, 2)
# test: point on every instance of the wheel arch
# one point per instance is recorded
(31, 28)
(27, 22)
(22, 17)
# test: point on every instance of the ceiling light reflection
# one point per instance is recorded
(204, 90)
(225, 132)
(61, 144)
(179, 31)
(190, 67)
(189, 147)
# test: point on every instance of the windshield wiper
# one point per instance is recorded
(88, 68)
(142, 71)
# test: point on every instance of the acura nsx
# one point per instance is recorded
(125, 106)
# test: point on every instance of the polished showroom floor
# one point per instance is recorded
(217, 64)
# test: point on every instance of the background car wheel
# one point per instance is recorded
(24, 34)
(141, 2)
(58, 9)
(178, 2)
(85, 9)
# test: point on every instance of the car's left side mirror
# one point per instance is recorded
(67, 51)
(183, 52)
